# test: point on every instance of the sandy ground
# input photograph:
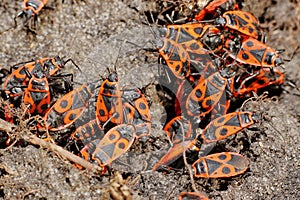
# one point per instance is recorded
(91, 33)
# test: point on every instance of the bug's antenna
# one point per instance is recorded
(116, 61)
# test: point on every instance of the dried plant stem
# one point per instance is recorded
(185, 160)
(190, 172)
(31, 138)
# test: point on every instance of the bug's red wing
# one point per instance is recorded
(210, 8)
(115, 143)
(254, 52)
(265, 78)
(206, 95)
(227, 125)
(244, 22)
(68, 108)
(173, 154)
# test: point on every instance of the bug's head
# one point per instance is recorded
(113, 77)
(272, 58)
(158, 37)
(26, 14)
(162, 32)
(159, 43)
(257, 117)
(59, 62)
(29, 13)
(49, 66)
(278, 61)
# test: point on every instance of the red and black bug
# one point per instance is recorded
(179, 130)
(18, 80)
(241, 21)
(254, 52)
(211, 8)
(197, 38)
(181, 134)
(220, 165)
(178, 46)
(136, 112)
(115, 143)
(184, 33)
(227, 125)
(109, 106)
(37, 94)
(69, 108)
(87, 132)
(175, 57)
(247, 83)
(206, 95)
(31, 10)
(203, 68)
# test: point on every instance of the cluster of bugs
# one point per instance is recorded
(117, 117)
(217, 56)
